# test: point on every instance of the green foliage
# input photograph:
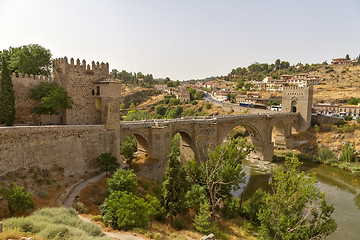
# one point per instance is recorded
(122, 106)
(353, 101)
(19, 201)
(7, 96)
(325, 155)
(160, 109)
(128, 147)
(296, 209)
(31, 59)
(154, 207)
(124, 210)
(339, 122)
(122, 180)
(136, 115)
(107, 163)
(358, 120)
(252, 208)
(230, 208)
(348, 153)
(173, 102)
(348, 118)
(174, 112)
(198, 95)
(195, 196)
(132, 105)
(178, 223)
(222, 172)
(194, 102)
(174, 186)
(50, 97)
(80, 207)
(56, 223)
(208, 105)
(202, 222)
(276, 103)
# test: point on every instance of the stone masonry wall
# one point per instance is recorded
(77, 79)
(23, 103)
(74, 148)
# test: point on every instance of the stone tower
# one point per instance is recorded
(299, 99)
(78, 80)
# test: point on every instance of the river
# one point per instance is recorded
(340, 186)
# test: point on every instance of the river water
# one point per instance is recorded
(340, 186)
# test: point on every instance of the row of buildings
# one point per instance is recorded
(300, 80)
(336, 109)
(180, 92)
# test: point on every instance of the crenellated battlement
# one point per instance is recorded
(95, 67)
(31, 78)
(297, 88)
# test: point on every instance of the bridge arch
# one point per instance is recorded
(142, 139)
(187, 138)
(278, 131)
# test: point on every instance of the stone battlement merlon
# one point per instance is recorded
(297, 88)
(31, 77)
(63, 62)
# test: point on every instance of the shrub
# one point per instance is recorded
(231, 208)
(178, 223)
(202, 221)
(252, 208)
(55, 223)
(358, 120)
(348, 153)
(97, 218)
(18, 199)
(80, 207)
(348, 118)
(208, 105)
(339, 122)
(43, 194)
(324, 155)
(194, 102)
(107, 163)
(122, 180)
(124, 210)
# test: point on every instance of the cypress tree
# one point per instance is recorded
(173, 188)
(7, 97)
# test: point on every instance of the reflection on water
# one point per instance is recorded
(341, 187)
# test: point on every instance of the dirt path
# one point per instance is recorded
(67, 199)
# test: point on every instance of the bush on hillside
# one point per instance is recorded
(56, 223)
(122, 180)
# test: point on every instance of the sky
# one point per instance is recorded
(185, 39)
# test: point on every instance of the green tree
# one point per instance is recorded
(208, 105)
(173, 187)
(202, 222)
(296, 209)
(160, 109)
(31, 59)
(19, 201)
(347, 57)
(50, 97)
(348, 153)
(221, 172)
(122, 180)
(353, 101)
(107, 163)
(170, 84)
(174, 112)
(125, 210)
(198, 95)
(7, 96)
(136, 114)
(128, 147)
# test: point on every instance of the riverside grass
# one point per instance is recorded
(55, 223)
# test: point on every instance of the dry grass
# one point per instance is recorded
(16, 234)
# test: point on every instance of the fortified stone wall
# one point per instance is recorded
(78, 80)
(23, 103)
(74, 148)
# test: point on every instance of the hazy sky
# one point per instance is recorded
(185, 39)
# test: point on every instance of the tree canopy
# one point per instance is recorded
(50, 97)
(31, 59)
(296, 209)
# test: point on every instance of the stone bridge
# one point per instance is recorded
(200, 133)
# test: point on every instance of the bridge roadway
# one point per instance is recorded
(202, 133)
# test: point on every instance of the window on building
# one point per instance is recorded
(93, 92)
(98, 90)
